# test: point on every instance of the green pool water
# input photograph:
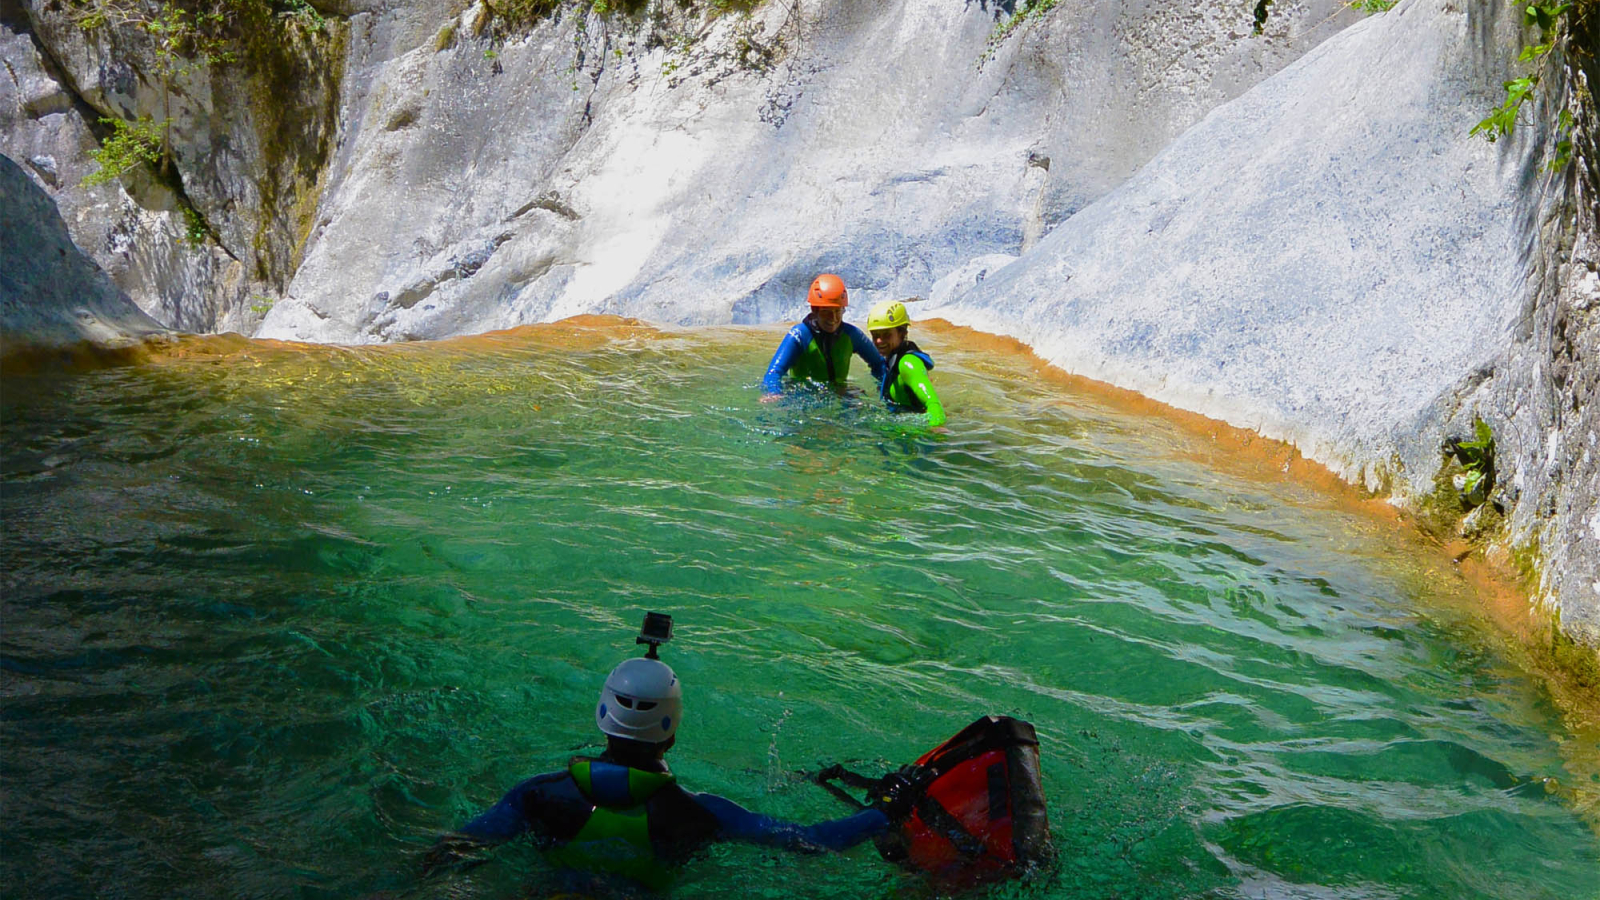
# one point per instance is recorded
(273, 619)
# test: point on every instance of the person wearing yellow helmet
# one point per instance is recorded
(813, 351)
(904, 385)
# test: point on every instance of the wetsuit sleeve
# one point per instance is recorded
(868, 351)
(788, 351)
(739, 824)
(508, 818)
(915, 376)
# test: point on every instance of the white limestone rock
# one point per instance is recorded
(1318, 260)
(710, 184)
(50, 293)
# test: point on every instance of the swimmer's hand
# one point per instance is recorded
(771, 398)
(897, 794)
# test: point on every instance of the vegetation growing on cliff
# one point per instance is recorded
(129, 145)
(1553, 22)
(1020, 14)
(270, 67)
(522, 13)
(185, 36)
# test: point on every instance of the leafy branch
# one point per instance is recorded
(1476, 456)
(1548, 19)
(130, 144)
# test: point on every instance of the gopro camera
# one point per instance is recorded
(656, 630)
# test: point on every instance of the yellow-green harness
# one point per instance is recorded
(616, 839)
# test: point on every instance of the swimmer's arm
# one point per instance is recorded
(496, 825)
(868, 351)
(740, 824)
(788, 351)
(915, 375)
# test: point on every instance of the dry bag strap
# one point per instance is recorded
(941, 822)
(836, 772)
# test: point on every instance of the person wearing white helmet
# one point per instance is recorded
(624, 814)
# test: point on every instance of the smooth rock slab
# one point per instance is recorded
(1318, 260)
(51, 294)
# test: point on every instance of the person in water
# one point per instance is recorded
(624, 814)
(819, 347)
(904, 385)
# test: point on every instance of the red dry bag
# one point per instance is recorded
(983, 811)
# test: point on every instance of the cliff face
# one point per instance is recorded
(51, 295)
(474, 172)
(695, 168)
(1333, 260)
(246, 108)
(1542, 394)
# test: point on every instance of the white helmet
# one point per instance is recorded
(641, 701)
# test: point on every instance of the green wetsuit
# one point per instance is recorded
(906, 386)
(811, 354)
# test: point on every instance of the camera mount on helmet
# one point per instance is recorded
(656, 630)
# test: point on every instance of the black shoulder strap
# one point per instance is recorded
(946, 825)
(825, 342)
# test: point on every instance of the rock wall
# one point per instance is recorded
(1541, 395)
(51, 295)
(1332, 260)
(694, 168)
(208, 240)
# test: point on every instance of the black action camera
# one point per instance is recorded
(657, 630)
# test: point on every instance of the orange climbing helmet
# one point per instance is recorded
(828, 290)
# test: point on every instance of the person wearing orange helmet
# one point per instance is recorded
(819, 347)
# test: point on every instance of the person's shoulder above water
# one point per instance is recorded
(624, 814)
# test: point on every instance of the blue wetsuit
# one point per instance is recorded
(606, 817)
(814, 354)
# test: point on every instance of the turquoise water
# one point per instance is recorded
(274, 619)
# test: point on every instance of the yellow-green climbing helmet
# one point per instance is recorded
(887, 314)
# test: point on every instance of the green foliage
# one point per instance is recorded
(1563, 154)
(195, 230)
(1476, 457)
(1499, 122)
(1544, 17)
(1026, 11)
(262, 305)
(129, 145)
(1548, 19)
(1262, 6)
(303, 12)
(677, 53)
(523, 13)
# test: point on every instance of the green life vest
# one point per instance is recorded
(813, 362)
(616, 837)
